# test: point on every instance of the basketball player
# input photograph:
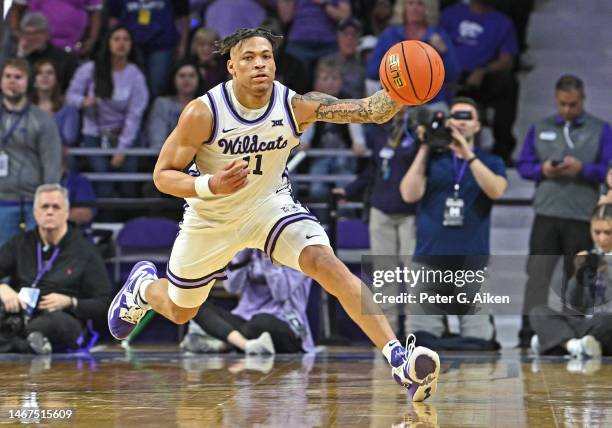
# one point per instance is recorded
(240, 134)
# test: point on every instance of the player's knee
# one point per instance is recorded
(320, 263)
(181, 315)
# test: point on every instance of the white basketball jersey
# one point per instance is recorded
(264, 141)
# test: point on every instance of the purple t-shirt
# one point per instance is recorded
(227, 17)
(478, 38)
(67, 18)
(311, 23)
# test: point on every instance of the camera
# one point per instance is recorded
(586, 275)
(438, 136)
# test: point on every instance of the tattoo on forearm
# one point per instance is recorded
(378, 108)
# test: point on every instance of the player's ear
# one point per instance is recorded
(230, 67)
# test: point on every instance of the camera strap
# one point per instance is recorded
(30, 295)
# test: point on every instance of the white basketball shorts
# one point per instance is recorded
(281, 227)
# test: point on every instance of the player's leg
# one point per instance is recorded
(303, 245)
(198, 259)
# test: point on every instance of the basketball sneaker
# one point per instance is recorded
(415, 368)
(125, 312)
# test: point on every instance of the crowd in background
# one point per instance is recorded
(117, 74)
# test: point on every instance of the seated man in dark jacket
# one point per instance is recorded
(585, 329)
(58, 281)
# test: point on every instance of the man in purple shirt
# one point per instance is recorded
(486, 46)
(567, 155)
(271, 314)
(74, 24)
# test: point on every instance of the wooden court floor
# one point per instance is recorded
(340, 387)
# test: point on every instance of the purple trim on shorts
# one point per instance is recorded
(240, 119)
(294, 126)
(190, 284)
(215, 117)
(280, 226)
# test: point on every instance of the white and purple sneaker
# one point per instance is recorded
(415, 368)
(125, 312)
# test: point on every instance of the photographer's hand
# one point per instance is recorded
(55, 302)
(10, 299)
(459, 145)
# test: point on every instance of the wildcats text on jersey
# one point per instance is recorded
(250, 144)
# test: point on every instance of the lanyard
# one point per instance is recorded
(6, 137)
(42, 270)
(458, 174)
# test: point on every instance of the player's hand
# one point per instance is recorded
(54, 302)
(230, 179)
(10, 299)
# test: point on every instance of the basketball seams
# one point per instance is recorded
(385, 68)
(431, 76)
(408, 73)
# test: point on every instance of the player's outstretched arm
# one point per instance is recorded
(316, 106)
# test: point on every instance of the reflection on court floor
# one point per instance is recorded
(340, 387)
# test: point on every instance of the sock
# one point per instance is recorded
(392, 351)
(140, 296)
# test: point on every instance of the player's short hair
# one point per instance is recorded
(569, 82)
(225, 45)
(48, 188)
(602, 212)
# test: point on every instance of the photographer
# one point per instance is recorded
(587, 331)
(58, 281)
(566, 155)
(455, 184)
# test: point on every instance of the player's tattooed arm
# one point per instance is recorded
(316, 106)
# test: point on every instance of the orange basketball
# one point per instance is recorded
(411, 72)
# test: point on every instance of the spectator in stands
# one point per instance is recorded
(606, 198)
(461, 175)
(153, 25)
(212, 68)
(167, 109)
(74, 25)
(585, 330)
(376, 15)
(271, 313)
(391, 220)
(33, 45)
(353, 70)
(80, 190)
(48, 97)
(30, 149)
(416, 20)
(313, 28)
(226, 18)
(519, 11)
(567, 155)
(113, 95)
(324, 135)
(485, 41)
(63, 267)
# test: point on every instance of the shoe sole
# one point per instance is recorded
(118, 296)
(591, 347)
(424, 369)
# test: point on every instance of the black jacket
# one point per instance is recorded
(77, 272)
